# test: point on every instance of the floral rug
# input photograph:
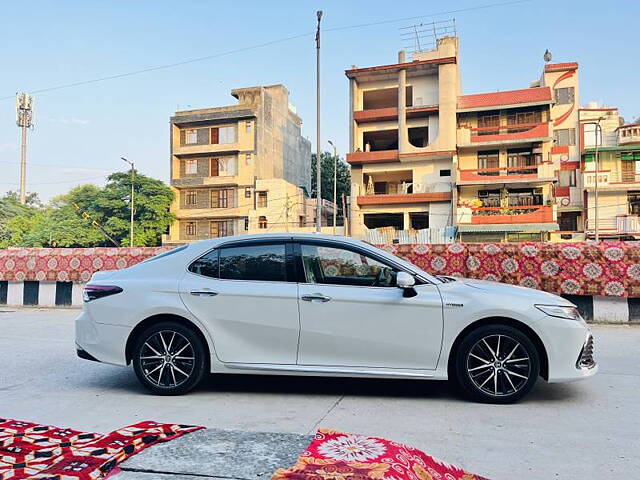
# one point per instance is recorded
(343, 456)
(32, 451)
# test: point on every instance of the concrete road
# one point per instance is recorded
(588, 429)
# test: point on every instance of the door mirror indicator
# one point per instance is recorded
(406, 282)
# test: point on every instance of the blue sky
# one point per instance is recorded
(82, 132)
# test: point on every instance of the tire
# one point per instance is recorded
(505, 379)
(174, 372)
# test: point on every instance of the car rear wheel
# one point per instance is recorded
(497, 364)
(169, 358)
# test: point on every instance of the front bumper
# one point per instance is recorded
(569, 350)
(101, 342)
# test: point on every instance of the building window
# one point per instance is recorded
(191, 136)
(262, 222)
(301, 221)
(524, 117)
(222, 167)
(219, 228)
(191, 197)
(222, 198)
(191, 167)
(565, 136)
(248, 158)
(249, 126)
(564, 95)
(247, 192)
(222, 135)
(445, 173)
(262, 199)
(488, 162)
(191, 228)
(487, 121)
(214, 167)
(246, 224)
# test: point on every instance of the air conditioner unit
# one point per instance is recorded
(483, 194)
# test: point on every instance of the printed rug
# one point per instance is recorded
(32, 451)
(344, 456)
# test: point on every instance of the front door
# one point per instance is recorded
(353, 315)
(248, 301)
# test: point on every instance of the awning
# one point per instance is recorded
(516, 227)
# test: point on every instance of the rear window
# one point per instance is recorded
(206, 265)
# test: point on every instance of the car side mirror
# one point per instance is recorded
(406, 282)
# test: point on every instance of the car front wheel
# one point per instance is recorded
(169, 358)
(497, 364)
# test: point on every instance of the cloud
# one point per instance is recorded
(69, 120)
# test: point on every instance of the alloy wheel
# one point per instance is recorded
(167, 359)
(498, 365)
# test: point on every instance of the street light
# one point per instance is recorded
(335, 185)
(598, 127)
(318, 169)
(133, 177)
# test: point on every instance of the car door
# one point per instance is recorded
(246, 296)
(353, 315)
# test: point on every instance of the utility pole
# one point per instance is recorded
(24, 119)
(597, 129)
(345, 219)
(133, 178)
(335, 185)
(318, 162)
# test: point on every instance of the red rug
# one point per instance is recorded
(343, 456)
(32, 451)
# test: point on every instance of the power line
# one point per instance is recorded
(262, 45)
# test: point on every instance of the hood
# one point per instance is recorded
(506, 289)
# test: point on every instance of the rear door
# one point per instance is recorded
(353, 315)
(246, 295)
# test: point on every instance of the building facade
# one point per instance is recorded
(611, 171)
(402, 141)
(239, 169)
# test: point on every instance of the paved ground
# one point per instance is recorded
(589, 429)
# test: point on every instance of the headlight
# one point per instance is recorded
(570, 313)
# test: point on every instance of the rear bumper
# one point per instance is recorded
(101, 342)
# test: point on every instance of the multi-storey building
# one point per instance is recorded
(611, 171)
(402, 140)
(517, 155)
(240, 168)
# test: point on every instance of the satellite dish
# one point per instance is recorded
(547, 56)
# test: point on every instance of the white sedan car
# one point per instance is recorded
(300, 304)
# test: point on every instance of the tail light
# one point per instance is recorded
(93, 292)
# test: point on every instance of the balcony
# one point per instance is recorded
(403, 198)
(380, 156)
(515, 133)
(612, 180)
(620, 224)
(505, 215)
(498, 174)
(376, 115)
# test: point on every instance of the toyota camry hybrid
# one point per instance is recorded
(306, 304)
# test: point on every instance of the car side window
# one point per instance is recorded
(265, 262)
(338, 266)
(206, 265)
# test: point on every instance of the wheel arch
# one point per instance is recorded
(524, 328)
(166, 317)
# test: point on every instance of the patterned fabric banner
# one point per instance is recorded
(68, 264)
(343, 456)
(605, 268)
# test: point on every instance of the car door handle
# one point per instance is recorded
(203, 293)
(315, 296)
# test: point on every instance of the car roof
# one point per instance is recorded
(282, 235)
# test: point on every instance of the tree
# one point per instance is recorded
(343, 178)
(70, 220)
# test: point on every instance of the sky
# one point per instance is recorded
(81, 132)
